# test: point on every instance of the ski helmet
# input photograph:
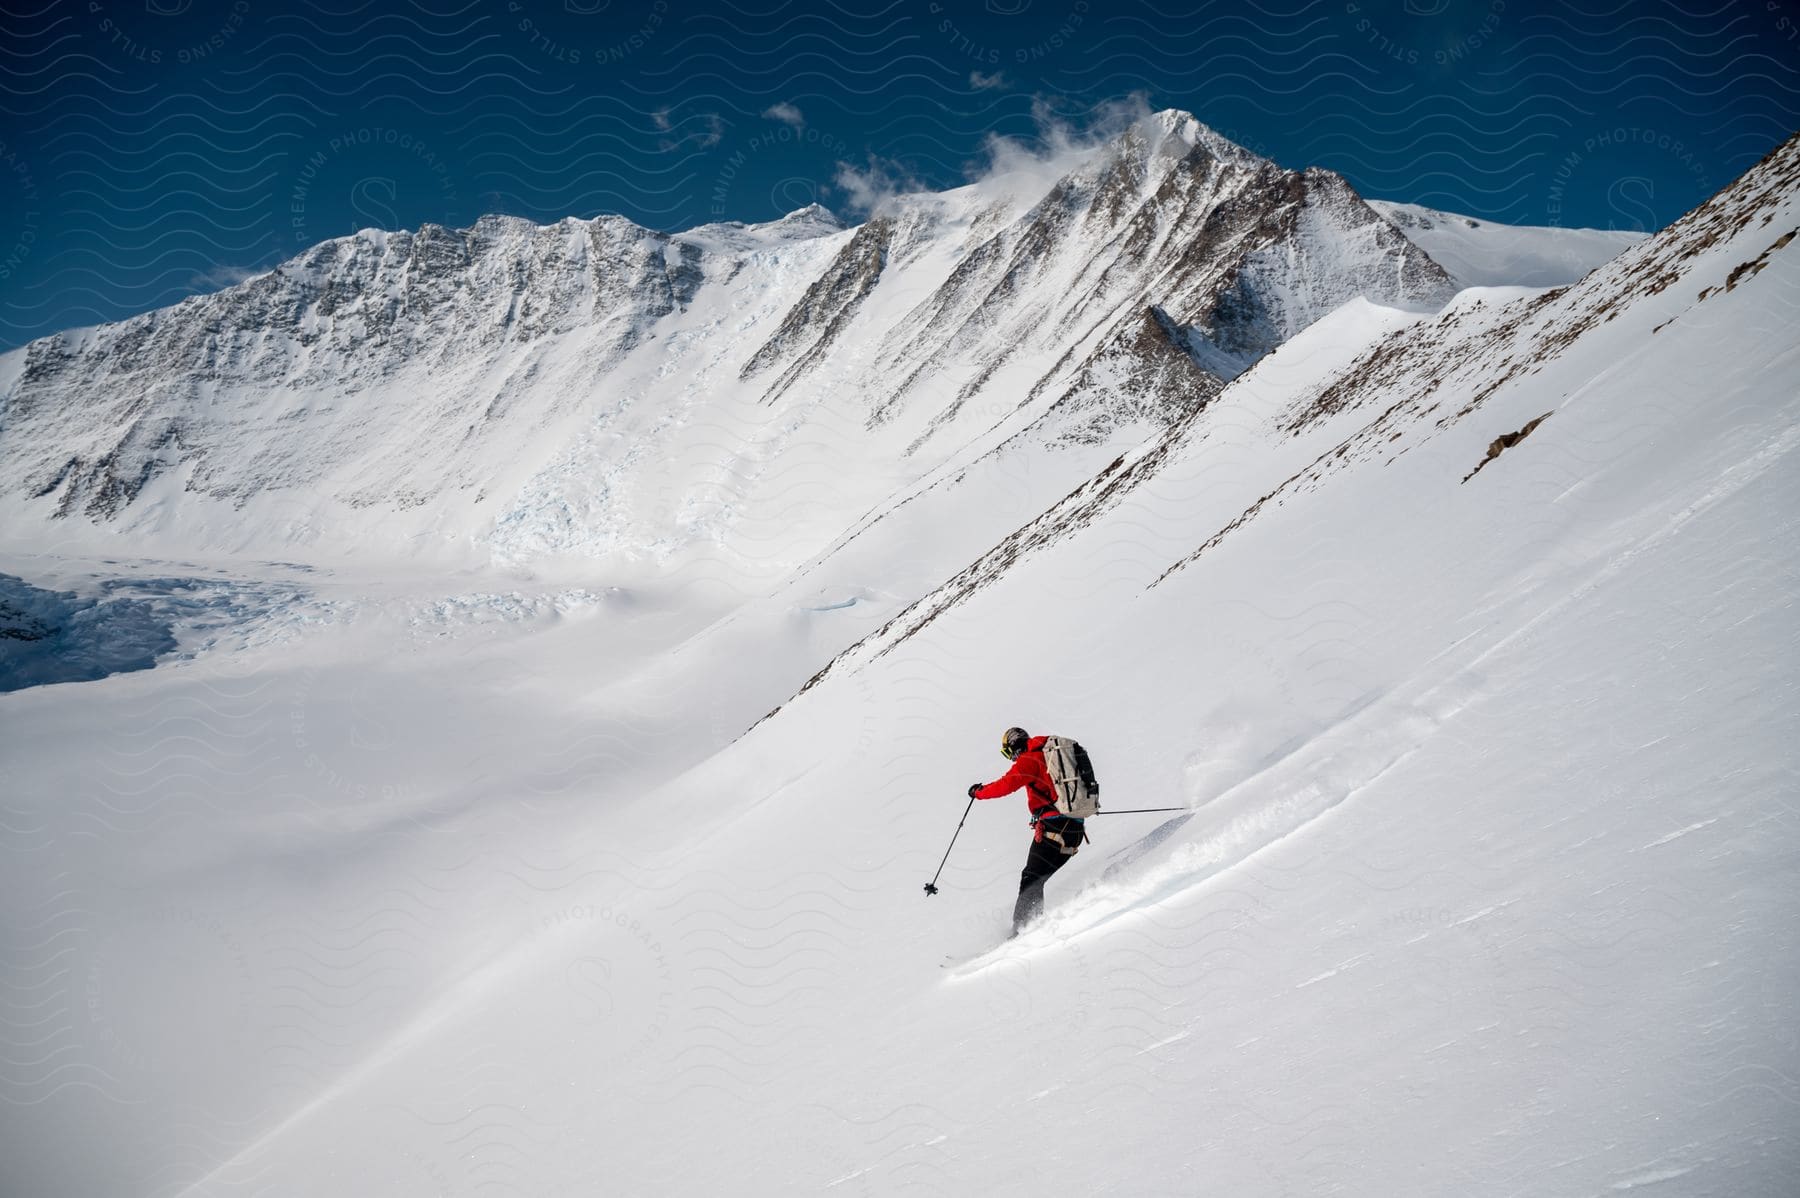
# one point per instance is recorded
(1013, 742)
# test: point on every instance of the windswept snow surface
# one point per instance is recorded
(1480, 253)
(1485, 885)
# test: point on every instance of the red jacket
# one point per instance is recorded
(1028, 770)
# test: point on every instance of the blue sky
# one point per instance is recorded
(152, 149)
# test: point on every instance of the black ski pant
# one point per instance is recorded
(1046, 858)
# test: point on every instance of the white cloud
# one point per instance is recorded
(1015, 166)
(225, 276)
(787, 114)
(1059, 142)
(867, 189)
(703, 130)
(982, 83)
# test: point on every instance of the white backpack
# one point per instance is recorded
(1072, 774)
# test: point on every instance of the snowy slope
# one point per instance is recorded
(1485, 885)
(1480, 253)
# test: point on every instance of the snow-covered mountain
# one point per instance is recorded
(1459, 634)
(522, 392)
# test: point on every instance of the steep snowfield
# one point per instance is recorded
(1485, 885)
(1481, 253)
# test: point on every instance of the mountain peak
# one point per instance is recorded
(1187, 131)
(814, 220)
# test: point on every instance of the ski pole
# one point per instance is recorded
(931, 886)
(1142, 810)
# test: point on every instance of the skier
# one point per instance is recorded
(1055, 837)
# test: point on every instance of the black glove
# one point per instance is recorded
(973, 787)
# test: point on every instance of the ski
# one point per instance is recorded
(965, 963)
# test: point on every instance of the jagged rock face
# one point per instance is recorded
(480, 378)
(1318, 242)
(126, 402)
(1235, 253)
(811, 326)
(1149, 373)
